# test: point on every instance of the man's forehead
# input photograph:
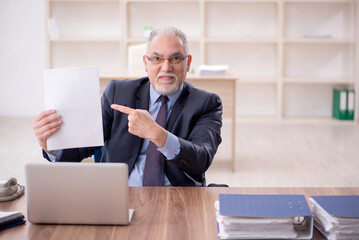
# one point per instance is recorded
(166, 44)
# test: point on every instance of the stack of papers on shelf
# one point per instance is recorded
(10, 219)
(318, 36)
(212, 70)
(263, 217)
(336, 217)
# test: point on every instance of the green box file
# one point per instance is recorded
(350, 105)
(340, 103)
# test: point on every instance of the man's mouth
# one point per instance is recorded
(166, 78)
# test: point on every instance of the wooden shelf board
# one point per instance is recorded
(319, 1)
(259, 79)
(318, 41)
(127, 75)
(320, 120)
(143, 39)
(83, 0)
(241, 40)
(314, 80)
(87, 39)
(295, 120)
(243, 1)
(159, 1)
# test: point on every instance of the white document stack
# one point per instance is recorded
(337, 217)
(212, 70)
(263, 217)
(255, 228)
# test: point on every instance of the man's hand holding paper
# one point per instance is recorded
(46, 124)
(75, 94)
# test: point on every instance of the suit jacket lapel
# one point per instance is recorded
(178, 107)
(141, 102)
(142, 96)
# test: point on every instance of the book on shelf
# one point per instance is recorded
(350, 104)
(241, 216)
(10, 219)
(343, 104)
(53, 28)
(336, 217)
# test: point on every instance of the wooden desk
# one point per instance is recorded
(160, 213)
(223, 86)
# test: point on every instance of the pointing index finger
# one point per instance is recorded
(123, 109)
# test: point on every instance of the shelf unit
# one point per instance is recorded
(288, 54)
(313, 67)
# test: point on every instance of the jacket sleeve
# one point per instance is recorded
(197, 151)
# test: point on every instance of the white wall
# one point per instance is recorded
(22, 57)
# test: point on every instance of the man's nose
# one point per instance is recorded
(166, 66)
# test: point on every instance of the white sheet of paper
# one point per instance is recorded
(75, 94)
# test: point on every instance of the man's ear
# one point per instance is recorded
(189, 61)
(145, 62)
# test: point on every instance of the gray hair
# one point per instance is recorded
(172, 31)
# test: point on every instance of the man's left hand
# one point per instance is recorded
(141, 124)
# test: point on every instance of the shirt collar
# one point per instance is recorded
(172, 97)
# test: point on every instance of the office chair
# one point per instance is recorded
(217, 185)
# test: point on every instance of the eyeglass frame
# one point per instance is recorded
(169, 59)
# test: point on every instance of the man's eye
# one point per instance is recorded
(157, 59)
(175, 58)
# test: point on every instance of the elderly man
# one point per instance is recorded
(166, 130)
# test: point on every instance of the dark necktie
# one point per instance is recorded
(153, 173)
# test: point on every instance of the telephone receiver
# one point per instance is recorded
(10, 189)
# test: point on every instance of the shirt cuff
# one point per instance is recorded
(55, 155)
(171, 148)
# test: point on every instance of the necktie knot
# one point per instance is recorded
(164, 99)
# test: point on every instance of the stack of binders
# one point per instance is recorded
(242, 216)
(336, 217)
(343, 104)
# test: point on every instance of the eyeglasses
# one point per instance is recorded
(174, 59)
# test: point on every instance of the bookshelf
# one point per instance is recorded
(288, 54)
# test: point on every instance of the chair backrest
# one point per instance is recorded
(98, 155)
(217, 185)
(135, 64)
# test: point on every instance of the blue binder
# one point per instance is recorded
(339, 206)
(264, 205)
(341, 217)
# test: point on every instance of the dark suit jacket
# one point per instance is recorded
(196, 119)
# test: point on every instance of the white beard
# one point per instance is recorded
(168, 89)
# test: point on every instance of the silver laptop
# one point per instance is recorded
(77, 193)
